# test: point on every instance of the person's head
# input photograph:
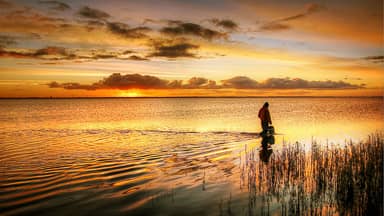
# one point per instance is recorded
(266, 105)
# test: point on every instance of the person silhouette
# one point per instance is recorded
(265, 117)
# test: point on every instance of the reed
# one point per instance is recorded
(325, 179)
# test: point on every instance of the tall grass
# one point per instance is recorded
(324, 180)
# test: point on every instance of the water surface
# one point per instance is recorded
(153, 156)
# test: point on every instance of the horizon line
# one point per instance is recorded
(149, 97)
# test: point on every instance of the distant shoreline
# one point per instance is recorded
(152, 97)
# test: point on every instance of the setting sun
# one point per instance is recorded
(129, 93)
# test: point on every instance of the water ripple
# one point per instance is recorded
(41, 166)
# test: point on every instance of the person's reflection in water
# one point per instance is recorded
(266, 151)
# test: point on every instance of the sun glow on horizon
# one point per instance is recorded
(129, 93)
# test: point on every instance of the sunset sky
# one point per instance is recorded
(191, 48)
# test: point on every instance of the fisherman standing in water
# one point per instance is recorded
(265, 117)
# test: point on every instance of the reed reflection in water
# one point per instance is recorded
(326, 180)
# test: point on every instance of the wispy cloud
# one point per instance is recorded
(375, 59)
(124, 30)
(274, 26)
(309, 9)
(192, 29)
(137, 58)
(53, 53)
(56, 5)
(47, 53)
(227, 24)
(279, 25)
(138, 81)
(93, 13)
(173, 50)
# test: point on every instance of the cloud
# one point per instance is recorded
(95, 23)
(225, 23)
(133, 81)
(137, 58)
(26, 23)
(118, 81)
(47, 53)
(199, 83)
(92, 13)
(14, 54)
(91, 25)
(137, 81)
(124, 30)
(5, 4)
(51, 51)
(297, 83)
(162, 21)
(309, 9)
(178, 28)
(71, 86)
(240, 82)
(6, 40)
(26, 16)
(375, 59)
(56, 5)
(276, 25)
(61, 53)
(273, 26)
(181, 49)
(352, 78)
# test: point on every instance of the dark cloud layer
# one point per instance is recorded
(287, 83)
(240, 82)
(375, 59)
(56, 5)
(60, 53)
(92, 13)
(118, 81)
(225, 23)
(162, 48)
(137, 58)
(182, 49)
(130, 81)
(47, 53)
(124, 30)
(192, 29)
(95, 21)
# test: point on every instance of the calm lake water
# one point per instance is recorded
(167, 156)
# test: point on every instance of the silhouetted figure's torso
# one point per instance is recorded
(265, 118)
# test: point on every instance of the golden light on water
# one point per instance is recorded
(160, 151)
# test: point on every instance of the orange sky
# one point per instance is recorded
(191, 48)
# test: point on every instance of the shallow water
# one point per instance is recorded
(153, 156)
